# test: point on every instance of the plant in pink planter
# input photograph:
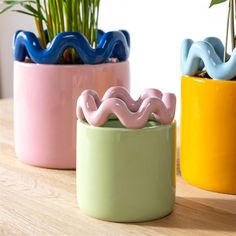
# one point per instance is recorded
(68, 55)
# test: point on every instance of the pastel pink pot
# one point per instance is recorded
(45, 108)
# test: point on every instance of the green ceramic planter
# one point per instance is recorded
(126, 175)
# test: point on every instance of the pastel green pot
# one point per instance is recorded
(126, 175)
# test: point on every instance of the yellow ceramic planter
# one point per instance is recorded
(208, 133)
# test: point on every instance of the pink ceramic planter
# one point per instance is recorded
(45, 103)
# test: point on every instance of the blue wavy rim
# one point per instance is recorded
(208, 54)
(113, 44)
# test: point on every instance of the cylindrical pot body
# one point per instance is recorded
(45, 103)
(208, 133)
(126, 175)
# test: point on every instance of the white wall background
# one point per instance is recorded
(9, 23)
(156, 27)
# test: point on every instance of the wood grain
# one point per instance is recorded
(35, 201)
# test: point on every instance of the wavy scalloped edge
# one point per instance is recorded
(208, 54)
(132, 114)
(111, 44)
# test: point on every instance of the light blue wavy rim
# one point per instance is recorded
(208, 54)
(111, 44)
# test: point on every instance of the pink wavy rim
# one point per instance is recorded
(132, 114)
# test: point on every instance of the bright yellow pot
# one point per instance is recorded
(208, 133)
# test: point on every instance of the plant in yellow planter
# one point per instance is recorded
(208, 111)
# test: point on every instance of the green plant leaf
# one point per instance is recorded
(214, 2)
(10, 4)
(33, 11)
(5, 9)
(25, 13)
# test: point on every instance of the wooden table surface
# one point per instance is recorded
(36, 201)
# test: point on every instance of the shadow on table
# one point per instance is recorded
(192, 213)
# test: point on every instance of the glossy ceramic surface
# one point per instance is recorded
(126, 175)
(45, 107)
(111, 44)
(207, 54)
(208, 133)
(132, 114)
